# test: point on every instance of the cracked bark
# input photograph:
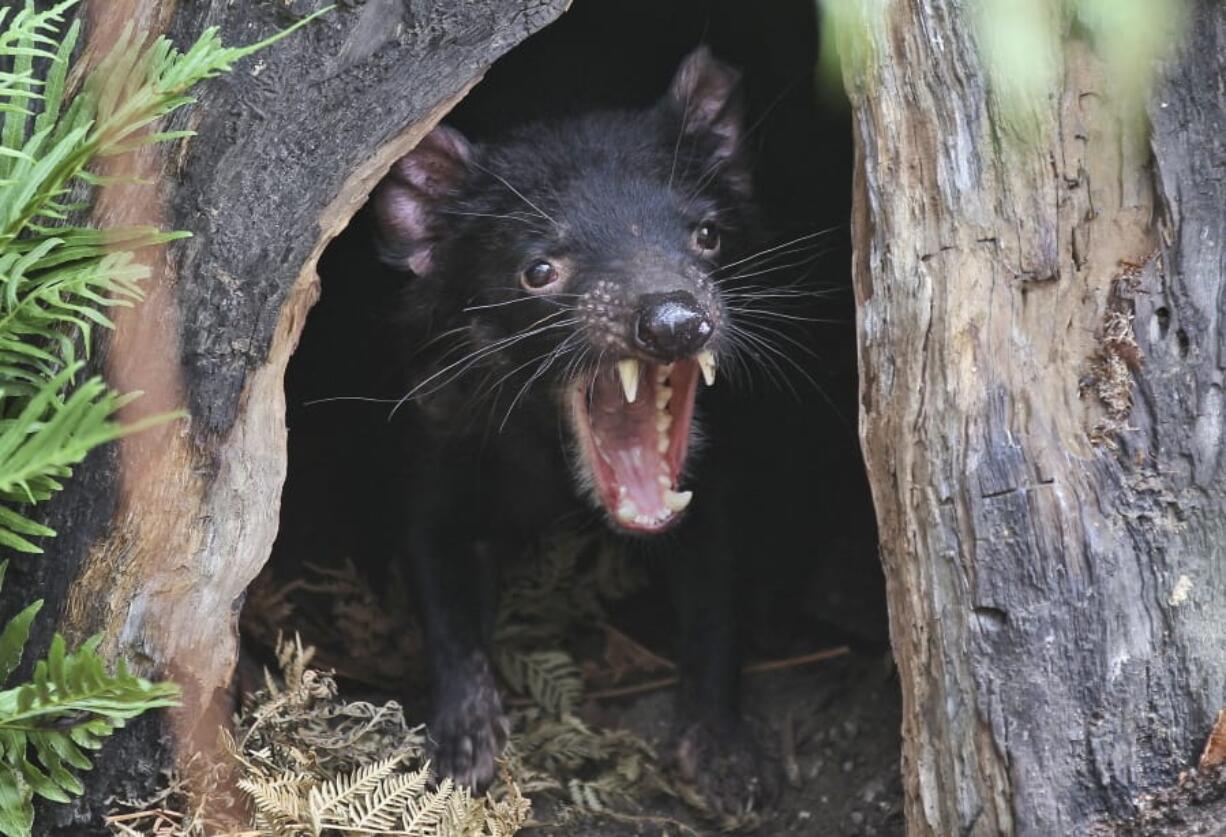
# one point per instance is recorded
(1058, 608)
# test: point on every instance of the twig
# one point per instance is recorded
(665, 682)
(793, 662)
(160, 813)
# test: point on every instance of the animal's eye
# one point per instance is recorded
(539, 274)
(706, 237)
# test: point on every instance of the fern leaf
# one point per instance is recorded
(71, 703)
(330, 801)
(550, 678)
(16, 805)
(428, 815)
(381, 809)
(13, 638)
(280, 800)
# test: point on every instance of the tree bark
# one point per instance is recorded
(160, 534)
(1041, 351)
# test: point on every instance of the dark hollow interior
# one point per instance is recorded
(803, 525)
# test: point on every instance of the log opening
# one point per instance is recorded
(813, 579)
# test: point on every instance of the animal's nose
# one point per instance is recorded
(671, 325)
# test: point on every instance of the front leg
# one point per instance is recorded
(455, 578)
(716, 752)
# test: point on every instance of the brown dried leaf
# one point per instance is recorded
(625, 655)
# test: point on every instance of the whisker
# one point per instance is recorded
(767, 355)
(550, 358)
(762, 270)
(512, 216)
(551, 298)
(780, 315)
(685, 116)
(518, 194)
(363, 398)
(483, 352)
(471, 360)
(798, 240)
(760, 339)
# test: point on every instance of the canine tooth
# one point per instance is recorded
(628, 371)
(677, 500)
(627, 511)
(706, 362)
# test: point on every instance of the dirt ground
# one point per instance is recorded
(839, 777)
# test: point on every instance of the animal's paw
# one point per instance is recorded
(468, 728)
(722, 772)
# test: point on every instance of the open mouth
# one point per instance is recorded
(632, 421)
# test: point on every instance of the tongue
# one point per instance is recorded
(627, 442)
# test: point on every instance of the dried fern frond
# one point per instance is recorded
(279, 801)
(387, 804)
(330, 801)
(315, 764)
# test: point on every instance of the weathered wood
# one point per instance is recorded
(160, 535)
(1058, 607)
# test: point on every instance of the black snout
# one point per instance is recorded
(670, 326)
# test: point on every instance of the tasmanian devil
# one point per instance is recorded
(567, 302)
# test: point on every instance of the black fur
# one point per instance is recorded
(612, 201)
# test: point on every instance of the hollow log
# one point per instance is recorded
(1041, 387)
(1041, 352)
(160, 535)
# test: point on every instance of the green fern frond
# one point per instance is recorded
(71, 705)
(549, 677)
(128, 91)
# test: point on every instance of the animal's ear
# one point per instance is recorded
(706, 94)
(408, 201)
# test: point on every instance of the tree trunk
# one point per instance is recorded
(161, 534)
(1042, 415)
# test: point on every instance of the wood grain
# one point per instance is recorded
(1049, 671)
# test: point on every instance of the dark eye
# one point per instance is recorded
(539, 274)
(706, 237)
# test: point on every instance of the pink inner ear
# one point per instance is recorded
(407, 201)
(404, 225)
(707, 92)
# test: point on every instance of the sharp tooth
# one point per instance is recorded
(663, 393)
(706, 361)
(628, 371)
(664, 481)
(677, 500)
(627, 511)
